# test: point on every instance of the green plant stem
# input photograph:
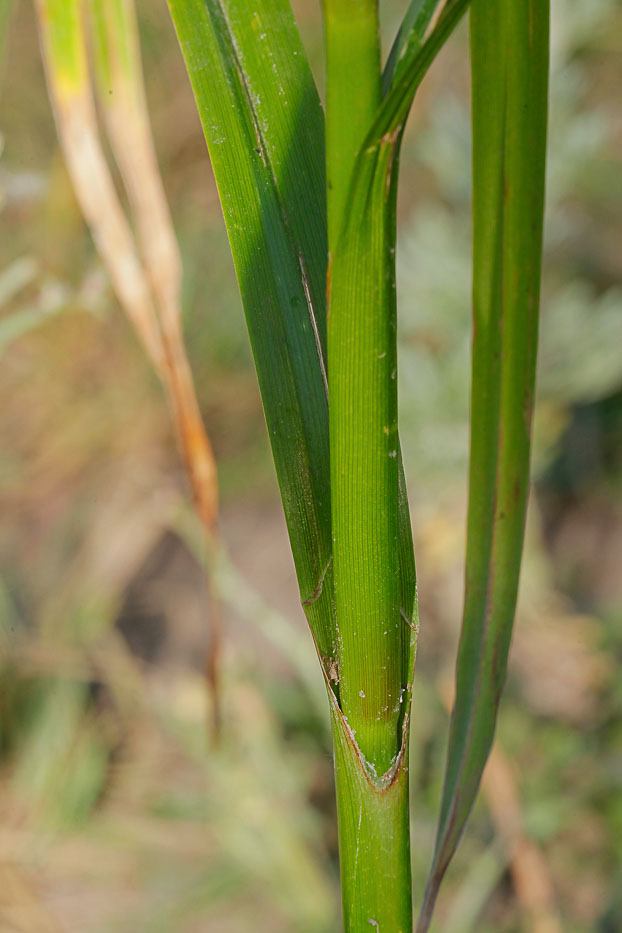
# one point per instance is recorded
(363, 402)
(364, 478)
(353, 93)
(374, 640)
(374, 839)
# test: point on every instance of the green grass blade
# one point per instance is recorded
(114, 38)
(412, 67)
(63, 45)
(410, 37)
(265, 132)
(509, 52)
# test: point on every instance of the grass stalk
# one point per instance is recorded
(338, 464)
(370, 751)
(363, 403)
(309, 202)
(353, 93)
(374, 837)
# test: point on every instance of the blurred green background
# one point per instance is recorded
(116, 811)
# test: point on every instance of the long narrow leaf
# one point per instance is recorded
(410, 37)
(509, 49)
(264, 128)
(419, 53)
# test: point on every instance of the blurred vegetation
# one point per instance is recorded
(116, 813)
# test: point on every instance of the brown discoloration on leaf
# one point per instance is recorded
(317, 592)
(393, 141)
(409, 622)
(331, 666)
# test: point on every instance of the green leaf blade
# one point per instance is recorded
(418, 49)
(509, 42)
(63, 44)
(410, 36)
(264, 128)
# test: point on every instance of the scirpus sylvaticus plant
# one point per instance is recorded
(309, 192)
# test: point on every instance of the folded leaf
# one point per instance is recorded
(264, 128)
